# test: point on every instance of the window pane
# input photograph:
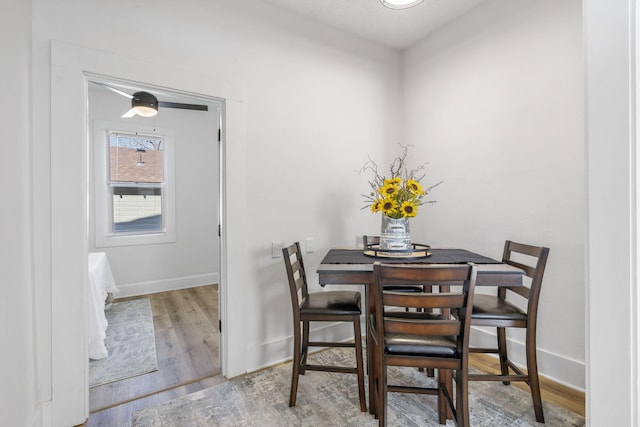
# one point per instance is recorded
(137, 209)
(135, 158)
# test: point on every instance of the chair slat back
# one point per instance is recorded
(401, 299)
(532, 260)
(296, 275)
(446, 303)
(422, 327)
(529, 270)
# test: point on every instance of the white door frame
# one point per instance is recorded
(613, 299)
(65, 330)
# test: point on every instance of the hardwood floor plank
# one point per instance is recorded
(120, 416)
(187, 346)
(196, 358)
(566, 397)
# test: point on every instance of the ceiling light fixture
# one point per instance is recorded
(400, 4)
(144, 104)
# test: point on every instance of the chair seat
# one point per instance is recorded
(492, 307)
(412, 345)
(402, 288)
(332, 303)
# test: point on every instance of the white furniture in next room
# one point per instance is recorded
(101, 285)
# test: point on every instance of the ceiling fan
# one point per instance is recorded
(145, 104)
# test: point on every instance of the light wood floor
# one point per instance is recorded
(187, 346)
(187, 342)
(551, 391)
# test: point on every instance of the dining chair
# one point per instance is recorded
(327, 306)
(369, 241)
(496, 311)
(430, 339)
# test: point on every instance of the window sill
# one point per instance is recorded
(113, 240)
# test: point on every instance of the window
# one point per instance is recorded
(133, 183)
(136, 178)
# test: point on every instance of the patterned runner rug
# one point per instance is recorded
(331, 399)
(130, 341)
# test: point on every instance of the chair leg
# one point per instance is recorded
(374, 380)
(462, 398)
(444, 383)
(371, 361)
(502, 352)
(381, 407)
(534, 380)
(296, 364)
(358, 343)
(305, 346)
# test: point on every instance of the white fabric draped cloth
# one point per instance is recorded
(100, 284)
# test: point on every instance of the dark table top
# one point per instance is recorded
(352, 266)
(438, 256)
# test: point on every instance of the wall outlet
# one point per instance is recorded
(276, 249)
(308, 245)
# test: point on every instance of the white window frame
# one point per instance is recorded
(103, 203)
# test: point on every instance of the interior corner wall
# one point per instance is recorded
(494, 102)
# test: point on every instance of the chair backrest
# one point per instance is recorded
(532, 260)
(370, 240)
(295, 273)
(459, 302)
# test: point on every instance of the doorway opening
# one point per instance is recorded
(154, 203)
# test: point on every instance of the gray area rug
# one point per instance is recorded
(130, 341)
(330, 399)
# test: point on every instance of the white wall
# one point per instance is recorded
(193, 258)
(18, 387)
(316, 102)
(494, 102)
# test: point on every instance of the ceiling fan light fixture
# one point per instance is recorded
(400, 4)
(144, 104)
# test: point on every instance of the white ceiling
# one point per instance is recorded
(398, 29)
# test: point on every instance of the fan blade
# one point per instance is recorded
(181, 106)
(118, 91)
(129, 113)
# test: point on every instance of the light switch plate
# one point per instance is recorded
(276, 249)
(308, 245)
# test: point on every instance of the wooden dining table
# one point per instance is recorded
(354, 267)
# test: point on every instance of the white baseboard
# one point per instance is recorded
(153, 286)
(555, 367)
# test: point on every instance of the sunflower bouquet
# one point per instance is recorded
(399, 194)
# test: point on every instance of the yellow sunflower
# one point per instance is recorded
(393, 181)
(415, 187)
(388, 190)
(388, 206)
(376, 206)
(408, 209)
